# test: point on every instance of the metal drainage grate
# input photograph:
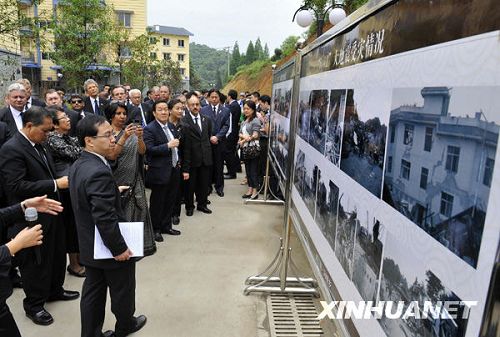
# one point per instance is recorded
(293, 315)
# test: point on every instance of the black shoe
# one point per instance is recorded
(66, 295)
(80, 273)
(173, 232)
(209, 202)
(254, 197)
(220, 193)
(246, 196)
(43, 317)
(175, 220)
(108, 333)
(229, 176)
(204, 209)
(158, 237)
(140, 322)
(189, 212)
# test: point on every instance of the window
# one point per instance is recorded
(428, 139)
(180, 57)
(452, 158)
(166, 41)
(405, 169)
(408, 137)
(152, 40)
(124, 18)
(393, 133)
(183, 71)
(152, 55)
(180, 43)
(125, 51)
(45, 56)
(389, 164)
(488, 171)
(166, 56)
(446, 204)
(424, 174)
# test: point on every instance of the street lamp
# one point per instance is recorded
(305, 13)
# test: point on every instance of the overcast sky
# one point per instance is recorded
(220, 23)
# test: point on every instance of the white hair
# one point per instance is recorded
(134, 91)
(88, 82)
(16, 87)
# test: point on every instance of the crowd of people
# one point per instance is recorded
(85, 164)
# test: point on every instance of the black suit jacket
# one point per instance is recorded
(235, 110)
(196, 146)
(7, 117)
(220, 121)
(37, 102)
(96, 202)
(25, 175)
(89, 108)
(134, 114)
(159, 156)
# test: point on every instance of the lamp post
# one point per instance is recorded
(305, 13)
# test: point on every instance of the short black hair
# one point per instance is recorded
(76, 96)
(87, 127)
(191, 94)
(222, 97)
(256, 94)
(158, 102)
(111, 108)
(172, 103)
(265, 99)
(233, 94)
(36, 115)
(214, 90)
(53, 111)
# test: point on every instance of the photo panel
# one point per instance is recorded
(364, 139)
(279, 142)
(317, 125)
(304, 121)
(440, 160)
(300, 172)
(406, 278)
(310, 185)
(334, 125)
(326, 208)
(347, 219)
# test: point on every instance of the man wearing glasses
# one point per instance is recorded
(77, 105)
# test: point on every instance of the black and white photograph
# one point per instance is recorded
(406, 278)
(440, 161)
(364, 138)
(335, 123)
(282, 98)
(326, 208)
(305, 180)
(347, 221)
(304, 123)
(368, 247)
(300, 173)
(317, 124)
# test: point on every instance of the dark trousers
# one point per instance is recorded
(231, 155)
(218, 165)
(173, 196)
(264, 143)
(198, 184)
(157, 209)
(252, 168)
(40, 282)
(121, 284)
(8, 326)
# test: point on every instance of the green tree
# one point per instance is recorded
(135, 69)
(266, 52)
(250, 54)
(235, 58)
(83, 31)
(259, 52)
(194, 78)
(288, 46)
(165, 72)
(218, 79)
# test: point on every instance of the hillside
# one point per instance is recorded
(206, 61)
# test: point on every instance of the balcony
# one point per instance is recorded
(27, 58)
(25, 3)
(26, 30)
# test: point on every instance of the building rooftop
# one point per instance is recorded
(169, 30)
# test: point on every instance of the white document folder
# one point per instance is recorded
(132, 232)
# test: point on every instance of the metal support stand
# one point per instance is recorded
(267, 190)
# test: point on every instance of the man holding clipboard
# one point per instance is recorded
(96, 202)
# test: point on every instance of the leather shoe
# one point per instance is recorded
(246, 196)
(173, 232)
(140, 322)
(204, 209)
(108, 333)
(158, 237)
(229, 176)
(220, 193)
(43, 317)
(66, 295)
(209, 202)
(175, 220)
(189, 212)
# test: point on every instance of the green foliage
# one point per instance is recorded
(13, 19)
(253, 70)
(194, 78)
(235, 58)
(288, 46)
(206, 61)
(83, 29)
(250, 55)
(266, 52)
(259, 51)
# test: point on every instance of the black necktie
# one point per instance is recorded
(215, 112)
(197, 125)
(41, 153)
(96, 107)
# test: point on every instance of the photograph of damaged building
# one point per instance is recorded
(440, 157)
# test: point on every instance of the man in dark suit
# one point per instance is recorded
(93, 103)
(154, 96)
(138, 112)
(96, 203)
(219, 115)
(28, 170)
(163, 171)
(12, 114)
(197, 155)
(53, 99)
(231, 152)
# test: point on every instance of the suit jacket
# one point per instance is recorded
(25, 175)
(37, 102)
(88, 107)
(7, 117)
(235, 110)
(159, 156)
(4, 133)
(196, 146)
(220, 121)
(134, 114)
(96, 202)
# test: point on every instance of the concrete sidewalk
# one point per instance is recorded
(193, 286)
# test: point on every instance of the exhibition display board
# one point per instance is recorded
(396, 121)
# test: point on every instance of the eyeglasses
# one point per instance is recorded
(62, 117)
(108, 134)
(76, 101)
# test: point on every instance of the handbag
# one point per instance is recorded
(251, 150)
